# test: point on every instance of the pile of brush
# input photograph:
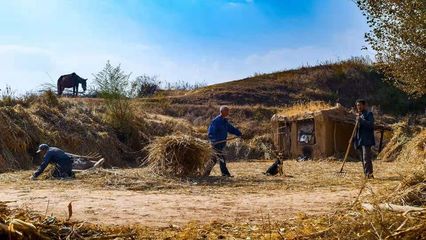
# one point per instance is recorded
(178, 156)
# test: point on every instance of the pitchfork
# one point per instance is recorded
(341, 172)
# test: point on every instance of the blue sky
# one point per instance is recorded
(181, 40)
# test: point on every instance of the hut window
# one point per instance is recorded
(306, 132)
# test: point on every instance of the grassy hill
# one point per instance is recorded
(342, 82)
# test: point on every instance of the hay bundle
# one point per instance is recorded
(178, 155)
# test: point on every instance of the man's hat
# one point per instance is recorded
(42, 147)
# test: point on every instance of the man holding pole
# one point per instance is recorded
(364, 138)
(218, 134)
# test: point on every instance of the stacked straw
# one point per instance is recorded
(412, 189)
(402, 132)
(178, 155)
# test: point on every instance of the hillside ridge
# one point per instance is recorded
(341, 82)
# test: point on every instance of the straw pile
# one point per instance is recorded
(402, 133)
(412, 161)
(70, 127)
(178, 155)
(18, 135)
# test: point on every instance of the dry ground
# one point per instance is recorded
(134, 196)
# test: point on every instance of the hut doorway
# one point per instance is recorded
(341, 136)
(285, 138)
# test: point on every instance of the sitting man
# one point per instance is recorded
(63, 162)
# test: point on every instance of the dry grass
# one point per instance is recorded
(178, 155)
(22, 224)
(402, 133)
(301, 108)
(412, 189)
(351, 225)
(400, 182)
(350, 221)
(299, 176)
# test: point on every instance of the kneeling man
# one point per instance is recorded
(52, 155)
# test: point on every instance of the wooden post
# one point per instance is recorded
(334, 138)
(381, 140)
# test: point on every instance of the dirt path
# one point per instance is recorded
(161, 209)
(134, 196)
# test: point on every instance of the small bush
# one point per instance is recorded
(7, 96)
(49, 98)
(144, 86)
(112, 85)
(112, 82)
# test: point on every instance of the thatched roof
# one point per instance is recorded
(309, 111)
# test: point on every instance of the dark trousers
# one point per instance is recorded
(217, 156)
(61, 173)
(365, 155)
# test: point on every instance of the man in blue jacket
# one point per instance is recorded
(217, 134)
(52, 155)
(364, 138)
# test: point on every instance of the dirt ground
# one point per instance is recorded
(134, 196)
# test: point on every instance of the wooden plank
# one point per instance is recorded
(381, 140)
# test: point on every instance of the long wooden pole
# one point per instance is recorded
(348, 149)
(222, 141)
(381, 140)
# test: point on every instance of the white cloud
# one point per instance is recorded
(236, 4)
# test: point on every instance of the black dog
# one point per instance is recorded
(276, 168)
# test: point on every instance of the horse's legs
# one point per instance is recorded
(76, 90)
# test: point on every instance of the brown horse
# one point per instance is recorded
(71, 81)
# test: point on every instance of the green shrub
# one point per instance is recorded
(112, 85)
